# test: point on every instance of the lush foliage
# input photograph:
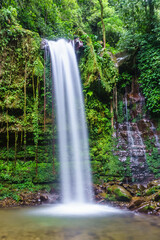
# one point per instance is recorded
(105, 165)
(153, 157)
(48, 17)
(148, 65)
(97, 67)
(25, 155)
(26, 159)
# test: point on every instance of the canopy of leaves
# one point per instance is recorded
(47, 17)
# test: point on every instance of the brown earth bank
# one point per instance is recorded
(136, 197)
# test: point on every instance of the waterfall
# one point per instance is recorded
(137, 151)
(71, 124)
(130, 138)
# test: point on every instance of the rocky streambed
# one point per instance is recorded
(27, 198)
(136, 197)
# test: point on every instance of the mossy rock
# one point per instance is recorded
(152, 190)
(121, 194)
(103, 194)
(155, 183)
(157, 197)
(136, 202)
(110, 197)
(147, 207)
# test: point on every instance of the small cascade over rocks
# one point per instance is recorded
(132, 132)
(71, 125)
(136, 149)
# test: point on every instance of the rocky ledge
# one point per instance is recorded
(136, 197)
(30, 199)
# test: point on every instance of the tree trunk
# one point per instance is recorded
(116, 102)
(36, 126)
(44, 95)
(25, 106)
(112, 114)
(15, 156)
(103, 25)
(151, 14)
(7, 137)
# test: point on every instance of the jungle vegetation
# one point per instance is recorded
(106, 27)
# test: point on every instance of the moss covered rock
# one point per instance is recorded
(155, 183)
(147, 207)
(121, 194)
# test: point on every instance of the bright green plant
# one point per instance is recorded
(148, 64)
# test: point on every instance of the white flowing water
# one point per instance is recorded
(137, 152)
(71, 124)
(130, 138)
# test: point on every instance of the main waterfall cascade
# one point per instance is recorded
(72, 131)
(73, 148)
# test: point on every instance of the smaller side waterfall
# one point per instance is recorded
(71, 124)
(135, 145)
(136, 148)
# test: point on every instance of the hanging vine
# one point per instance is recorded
(25, 113)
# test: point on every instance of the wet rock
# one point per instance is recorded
(141, 187)
(136, 202)
(154, 183)
(124, 59)
(53, 198)
(137, 199)
(121, 194)
(133, 189)
(8, 202)
(43, 43)
(29, 198)
(103, 194)
(154, 197)
(147, 207)
(143, 125)
(97, 189)
(157, 196)
(152, 190)
(44, 198)
(124, 135)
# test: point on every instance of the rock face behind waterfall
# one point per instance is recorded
(133, 133)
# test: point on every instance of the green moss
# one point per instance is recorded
(121, 193)
(153, 160)
(21, 100)
(110, 197)
(152, 190)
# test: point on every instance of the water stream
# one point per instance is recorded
(72, 131)
(17, 224)
(136, 149)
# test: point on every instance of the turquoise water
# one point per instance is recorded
(28, 224)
